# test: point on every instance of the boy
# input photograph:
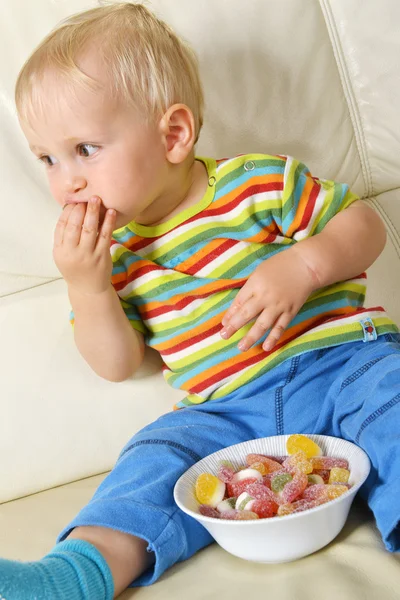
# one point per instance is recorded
(246, 274)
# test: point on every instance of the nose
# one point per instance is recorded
(74, 184)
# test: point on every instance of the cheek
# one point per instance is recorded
(55, 189)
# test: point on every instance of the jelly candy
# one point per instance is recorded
(270, 465)
(245, 515)
(264, 508)
(227, 504)
(327, 462)
(261, 492)
(225, 473)
(312, 492)
(298, 463)
(334, 491)
(246, 474)
(244, 500)
(209, 489)
(295, 507)
(209, 511)
(294, 488)
(235, 489)
(314, 479)
(324, 473)
(259, 466)
(279, 481)
(298, 442)
(339, 475)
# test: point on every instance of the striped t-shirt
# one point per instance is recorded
(177, 279)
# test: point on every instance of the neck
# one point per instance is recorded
(187, 185)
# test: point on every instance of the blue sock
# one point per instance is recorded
(73, 570)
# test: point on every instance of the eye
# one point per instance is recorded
(87, 150)
(48, 160)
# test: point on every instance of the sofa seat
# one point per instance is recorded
(354, 566)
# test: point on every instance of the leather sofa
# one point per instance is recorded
(318, 80)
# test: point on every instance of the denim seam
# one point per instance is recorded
(279, 395)
(352, 378)
(188, 451)
(377, 413)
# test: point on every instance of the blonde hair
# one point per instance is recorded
(146, 63)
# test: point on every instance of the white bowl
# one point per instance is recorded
(277, 539)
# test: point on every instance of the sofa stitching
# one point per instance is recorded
(352, 105)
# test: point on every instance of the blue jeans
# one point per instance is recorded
(350, 391)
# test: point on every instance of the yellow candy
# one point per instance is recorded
(209, 489)
(334, 491)
(338, 475)
(298, 442)
(298, 462)
(258, 466)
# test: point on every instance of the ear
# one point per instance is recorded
(178, 132)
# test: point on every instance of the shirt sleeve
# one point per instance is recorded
(308, 202)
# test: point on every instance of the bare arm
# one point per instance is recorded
(104, 336)
(347, 246)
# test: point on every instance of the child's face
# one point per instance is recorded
(92, 145)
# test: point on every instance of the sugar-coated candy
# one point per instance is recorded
(209, 511)
(298, 463)
(225, 473)
(339, 475)
(227, 504)
(245, 515)
(298, 442)
(259, 466)
(324, 473)
(328, 462)
(261, 492)
(334, 491)
(209, 489)
(293, 489)
(270, 464)
(265, 509)
(279, 481)
(244, 500)
(313, 479)
(312, 492)
(299, 506)
(235, 489)
(271, 486)
(238, 515)
(246, 474)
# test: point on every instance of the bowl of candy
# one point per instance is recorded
(274, 499)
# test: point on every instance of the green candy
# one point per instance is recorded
(279, 481)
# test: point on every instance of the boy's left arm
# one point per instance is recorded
(349, 243)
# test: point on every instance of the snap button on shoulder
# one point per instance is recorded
(249, 165)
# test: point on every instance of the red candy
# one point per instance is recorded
(297, 491)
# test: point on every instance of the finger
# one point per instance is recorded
(106, 231)
(242, 297)
(240, 316)
(264, 322)
(61, 224)
(90, 224)
(73, 228)
(277, 331)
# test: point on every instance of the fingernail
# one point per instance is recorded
(224, 333)
(242, 346)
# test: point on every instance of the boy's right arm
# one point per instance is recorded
(104, 336)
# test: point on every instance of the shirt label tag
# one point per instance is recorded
(369, 330)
